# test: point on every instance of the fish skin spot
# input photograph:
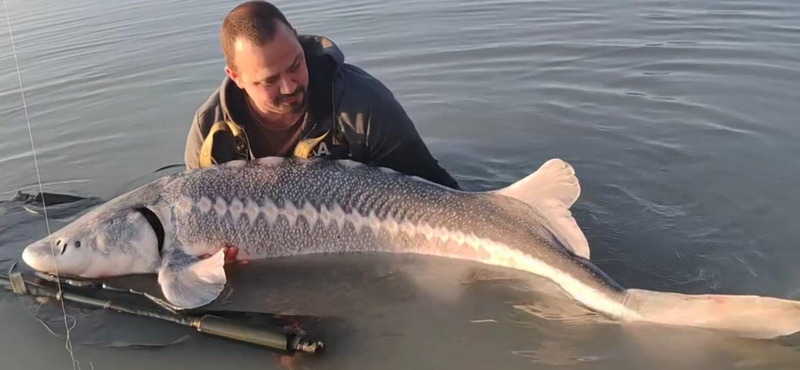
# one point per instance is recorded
(325, 215)
(310, 214)
(347, 163)
(235, 163)
(220, 207)
(204, 205)
(270, 161)
(236, 208)
(252, 210)
(290, 212)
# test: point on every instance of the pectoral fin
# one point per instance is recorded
(191, 282)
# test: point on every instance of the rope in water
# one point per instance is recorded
(68, 344)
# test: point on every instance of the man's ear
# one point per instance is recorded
(233, 76)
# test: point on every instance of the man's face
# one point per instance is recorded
(274, 75)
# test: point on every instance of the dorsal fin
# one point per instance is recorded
(552, 189)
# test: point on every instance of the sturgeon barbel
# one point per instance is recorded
(278, 207)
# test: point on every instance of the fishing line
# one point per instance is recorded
(68, 344)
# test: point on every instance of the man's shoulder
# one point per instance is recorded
(351, 83)
(211, 110)
(362, 89)
(356, 77)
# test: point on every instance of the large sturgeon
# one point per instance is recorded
(275, 207)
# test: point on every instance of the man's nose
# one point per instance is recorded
(288, 86)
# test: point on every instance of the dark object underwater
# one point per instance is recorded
(45, 198)
(209, 324)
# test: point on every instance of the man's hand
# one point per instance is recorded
(231, 253)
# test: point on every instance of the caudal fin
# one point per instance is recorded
(747, 316)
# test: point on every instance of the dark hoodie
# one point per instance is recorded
(362, 119)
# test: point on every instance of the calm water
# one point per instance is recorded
(680, 117)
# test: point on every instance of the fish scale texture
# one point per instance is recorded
(351, 207)
(282, 207)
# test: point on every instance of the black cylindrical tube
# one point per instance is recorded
(223, 327)
(209, 324)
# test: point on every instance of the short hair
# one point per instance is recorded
(253, 20)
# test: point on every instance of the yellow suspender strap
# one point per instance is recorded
(306, 146)
(302, 150)
(206, 159)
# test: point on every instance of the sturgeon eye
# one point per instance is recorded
(77, 244)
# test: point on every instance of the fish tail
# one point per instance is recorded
(747, 316)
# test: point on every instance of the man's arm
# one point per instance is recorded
(393, 141)
(191, 155)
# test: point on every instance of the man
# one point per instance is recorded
(293, 95)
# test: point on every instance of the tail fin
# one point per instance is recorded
(747, 316)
